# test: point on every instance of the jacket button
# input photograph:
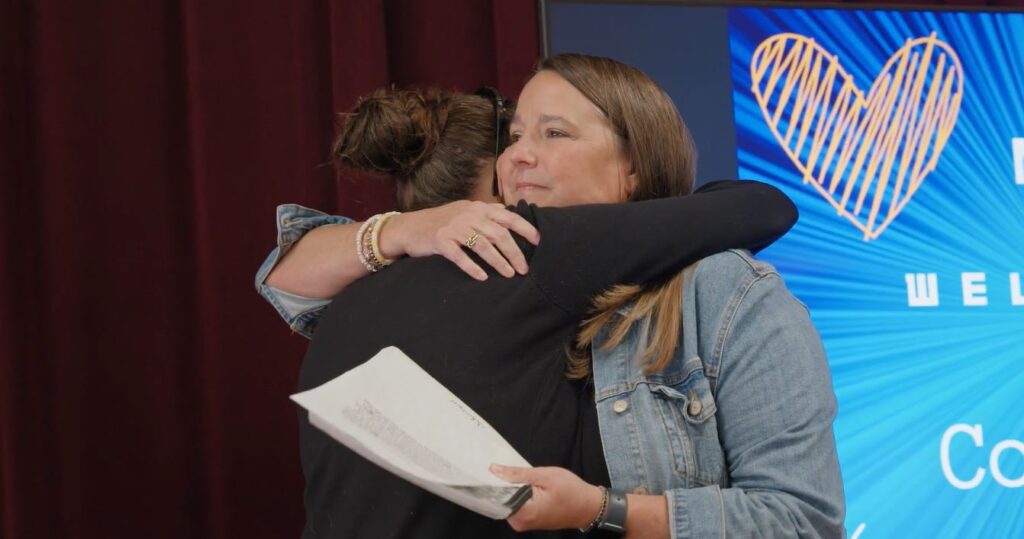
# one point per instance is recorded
(620, 406)
(695, 405)
(641, 490)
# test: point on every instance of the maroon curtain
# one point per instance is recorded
(143, 148)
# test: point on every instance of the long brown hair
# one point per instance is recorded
(432, 143)
(664, 158)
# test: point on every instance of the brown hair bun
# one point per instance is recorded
(392, 132)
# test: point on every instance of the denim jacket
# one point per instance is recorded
(736, 431)
(293, 221)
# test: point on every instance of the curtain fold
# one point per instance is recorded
(143, 148)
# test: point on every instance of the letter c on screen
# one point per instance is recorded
(974, 431)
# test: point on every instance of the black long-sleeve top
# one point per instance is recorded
(500, 345)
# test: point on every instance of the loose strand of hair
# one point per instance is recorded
(657, 310)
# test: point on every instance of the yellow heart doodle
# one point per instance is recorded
(870, 151)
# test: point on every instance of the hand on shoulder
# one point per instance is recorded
(447, 230)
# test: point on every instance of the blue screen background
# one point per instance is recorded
(903, 375)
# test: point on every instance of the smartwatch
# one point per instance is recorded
(614, 519)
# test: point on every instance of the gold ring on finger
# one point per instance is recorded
(471, 241)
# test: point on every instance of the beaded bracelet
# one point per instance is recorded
(368, 243)
(368, 247)
(360, 241)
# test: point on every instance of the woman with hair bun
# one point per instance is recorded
(650, 426)
(439, 148)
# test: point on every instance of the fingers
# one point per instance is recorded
(498, 229)
(494, 245)
(454, 252)
(515, 474)
(516, 223)
(522, 519)
(485, 249)
(533, 514)
(500, 250)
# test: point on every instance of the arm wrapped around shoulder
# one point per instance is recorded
(761, 207)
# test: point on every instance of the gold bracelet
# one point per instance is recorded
(375, 239)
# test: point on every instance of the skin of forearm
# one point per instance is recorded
(324, 261)
(321, 264)
(647, 517)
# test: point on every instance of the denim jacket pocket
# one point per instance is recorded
(688, 412)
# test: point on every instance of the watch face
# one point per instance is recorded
(615, 514)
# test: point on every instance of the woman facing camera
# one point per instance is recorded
(713, 404)
(715, 395)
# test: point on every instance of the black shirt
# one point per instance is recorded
(500, 345)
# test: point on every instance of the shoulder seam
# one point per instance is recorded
(730, 311)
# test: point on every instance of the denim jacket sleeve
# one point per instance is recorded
(775, 409)
(294, 221)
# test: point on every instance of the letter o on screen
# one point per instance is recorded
(993, 463)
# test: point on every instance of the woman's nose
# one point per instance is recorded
(520, 153)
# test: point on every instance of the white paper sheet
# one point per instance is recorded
(392, 412)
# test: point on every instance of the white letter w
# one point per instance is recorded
(922, 289)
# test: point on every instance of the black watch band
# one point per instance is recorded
(615, 515)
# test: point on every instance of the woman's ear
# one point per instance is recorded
(632, 181)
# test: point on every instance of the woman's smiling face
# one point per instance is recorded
(563, 151)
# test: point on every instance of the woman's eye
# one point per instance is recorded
(513, 137)
(554, 133)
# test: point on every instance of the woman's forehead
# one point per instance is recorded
(549, 98)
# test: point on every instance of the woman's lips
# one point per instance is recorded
(526, 187)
